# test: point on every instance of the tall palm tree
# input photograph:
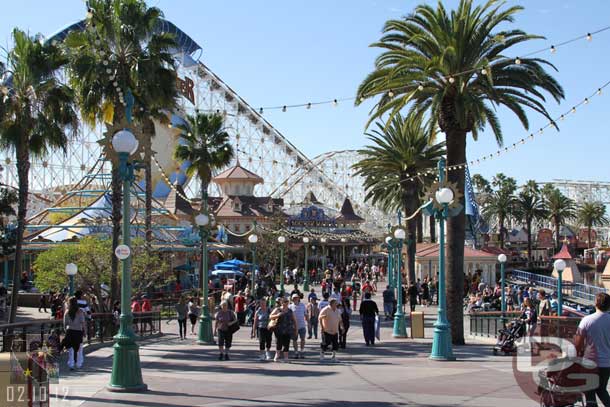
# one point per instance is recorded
(453, 66)
(206, 148)
(119, 51)
(499, 207)
(560, 209)
(36, 117)
(529, 207)
(400, 150)
(592, 214)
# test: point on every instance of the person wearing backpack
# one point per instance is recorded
(225, 328)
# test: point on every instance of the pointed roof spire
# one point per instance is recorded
(564, 253)
(310, 198)
(347, 212)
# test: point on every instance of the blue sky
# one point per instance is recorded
(278, 52)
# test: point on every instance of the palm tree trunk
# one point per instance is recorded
(589, 235)
(204, 209)
(529, 242)
(456, 234)
(23, 170)
(148, 130)
(557, 243)
(420, 228)
(501, 232)
(432, 229)
(116, 232)
(410, 205)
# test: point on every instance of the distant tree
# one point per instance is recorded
(560, 209)
(592, 214)
(529, 207)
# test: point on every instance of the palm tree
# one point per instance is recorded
(498, 208)
(592, 214)
(36, 117)
(400, 150)
(528, 208)
(118, 52)
(453, 66)
(206, 148)
(560, 209)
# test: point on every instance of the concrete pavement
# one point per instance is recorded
(396, 372)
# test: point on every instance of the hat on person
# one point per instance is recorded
(295, 295)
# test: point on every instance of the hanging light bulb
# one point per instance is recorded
(518, 61)
(573, 109)
(105, 62)
(189, 134)
(589, 37)
(451, 80)
(115, 84)
(362, 98)
(420, 87)
(284, 108)
(586, 101)
(89, 14)
(169, 125)
(335, 103)
(260, 110)
(484, 71)
(553, 49)
(308, 105)
(108, 71)
(391, 93)
(561, 117)
(599, 91)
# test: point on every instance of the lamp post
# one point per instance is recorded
(305, 271)
(388, 242)
(343, 240)
(71, 270)
(281, 240)
(502, 260)
(400, 329)
(126, 371)
(560, 265)
(323, 242)
(253, 239)
(205, 335)
(441, 345)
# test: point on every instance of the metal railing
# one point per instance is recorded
(487, 324)
(586, 292)
(32, 335)
(576, 290)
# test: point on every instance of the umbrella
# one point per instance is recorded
(231, 265)
(227, 272)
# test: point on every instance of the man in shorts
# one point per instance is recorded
(299, 310)
(330, 322)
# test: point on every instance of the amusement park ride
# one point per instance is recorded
(81, 176)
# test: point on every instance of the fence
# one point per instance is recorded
(576, 290)
(487, 324)
(31, 335)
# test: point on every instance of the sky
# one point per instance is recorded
(278, 52)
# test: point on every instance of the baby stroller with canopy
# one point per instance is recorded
(559, 383)
(508, 336)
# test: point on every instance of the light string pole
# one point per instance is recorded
(502, 260)
(305, 270)
(400, 328)
(441, 344)
(71, 270)
(388, 242)
(560, 266)
(205, 335)
(323, 243)
(282, 241)
(126, 370)
(253, 239)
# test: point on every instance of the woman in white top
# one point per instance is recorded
(74, 325)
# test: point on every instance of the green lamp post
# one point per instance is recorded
(560, 266)
(205, 335)
(400, 328)
(343, 240)
(502, 260)
(441, 344)
(388, 242)
(323, 243)
(305, 270)
(126, 371)
(253, 239)
(282, 241)
(71, 270)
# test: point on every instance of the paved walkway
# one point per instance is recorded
(396, 372)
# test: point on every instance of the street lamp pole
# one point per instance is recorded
(400, 328)
(560, 265)
(253, 238)
(502, 259)
(205, 335)
(126, 371)
(323, 242)
(281, 240)
(441, 344)
(305, 271)
(388, 242)
(71, 270)
(343, 240)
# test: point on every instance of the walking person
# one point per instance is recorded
(346, 313)
(286, 328)
(412, 292)
(193, 313)
(181, 312)
(530, 317)
(368, 312)
(43, 303)
(388, 303)
(313, 312)
(593, 341)
(298, 308)
(330, 323)
(75, 325)
(225, 319)
(259, 327)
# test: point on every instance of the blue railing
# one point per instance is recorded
(582, 291)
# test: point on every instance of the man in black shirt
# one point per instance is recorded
(412, 292)
(388, 303)
(368, 311)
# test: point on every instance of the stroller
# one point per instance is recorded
(555, 386)
(508, 336)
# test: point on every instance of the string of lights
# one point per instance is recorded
(450, 78)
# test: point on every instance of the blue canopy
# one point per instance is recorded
(227, 272)
(231, 265)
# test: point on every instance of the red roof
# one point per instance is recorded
(432, 250)
(237, 173)
(564, 253)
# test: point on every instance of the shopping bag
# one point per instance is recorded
(377, 328)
